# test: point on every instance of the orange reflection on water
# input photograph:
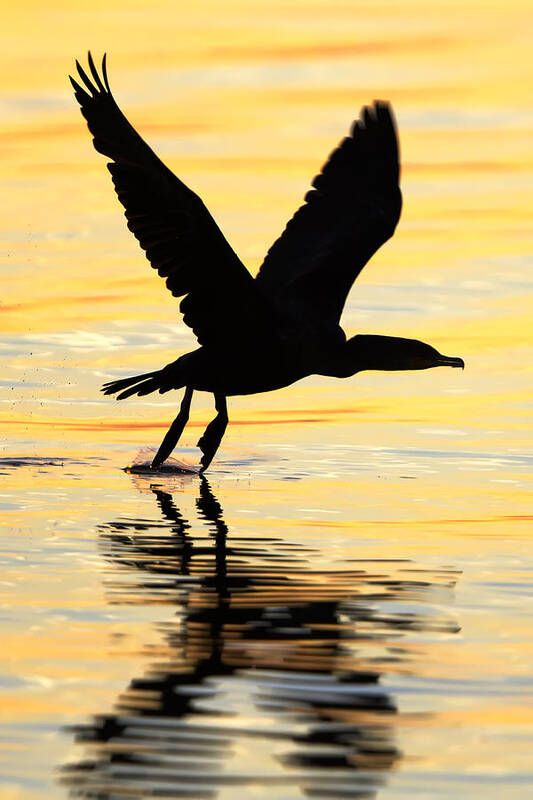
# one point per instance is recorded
(321, 486)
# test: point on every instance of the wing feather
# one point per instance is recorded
(352, 209)
(181, 239)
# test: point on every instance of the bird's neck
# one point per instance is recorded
(343, 361)
(364, 352)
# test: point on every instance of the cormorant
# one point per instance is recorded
(259, 334)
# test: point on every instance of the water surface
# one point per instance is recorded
(341, 609)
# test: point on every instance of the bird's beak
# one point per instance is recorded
(450, 361)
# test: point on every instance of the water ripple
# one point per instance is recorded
(267, 652)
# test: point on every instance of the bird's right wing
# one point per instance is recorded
(181, 239)
(352, 209)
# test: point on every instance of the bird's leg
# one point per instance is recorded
(212, 436)
(174, 432)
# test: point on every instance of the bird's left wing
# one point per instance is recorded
(352, 209)
(181, 239)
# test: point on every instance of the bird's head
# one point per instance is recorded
(394, 353)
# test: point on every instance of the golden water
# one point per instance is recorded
(342, 610)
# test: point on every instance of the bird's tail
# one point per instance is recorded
(139, 384)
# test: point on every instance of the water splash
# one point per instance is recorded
(142, 464)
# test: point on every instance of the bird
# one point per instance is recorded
(264, 333)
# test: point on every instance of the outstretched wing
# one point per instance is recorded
(351, 211)
(181, 239)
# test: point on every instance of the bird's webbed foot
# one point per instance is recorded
(210, 440)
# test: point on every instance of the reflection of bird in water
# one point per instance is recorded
(263, 334)
(261, 685)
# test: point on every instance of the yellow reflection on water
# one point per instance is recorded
(245, 102)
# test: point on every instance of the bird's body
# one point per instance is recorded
(261, 334)
(245, 371)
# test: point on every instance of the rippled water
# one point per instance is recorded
(267, 651)
(271, 629)
(342, 607)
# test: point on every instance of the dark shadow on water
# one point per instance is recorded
(269, 676)
(7, 465)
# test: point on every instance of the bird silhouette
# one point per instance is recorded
(261, 334)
